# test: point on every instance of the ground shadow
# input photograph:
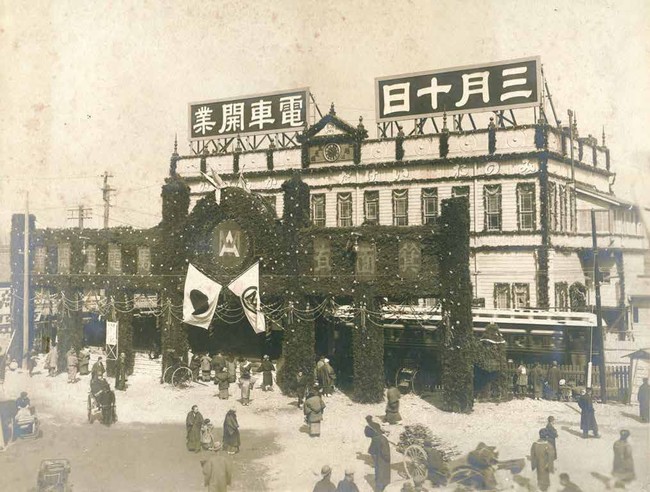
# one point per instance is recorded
(366, 458)
(434, 398)
(370, 478)
(632, 416)
(572, 431)
(304, 428)
(293, 404)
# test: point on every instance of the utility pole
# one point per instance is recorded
(26, 313)
(82, 214)
(599, 317)
(106, 194)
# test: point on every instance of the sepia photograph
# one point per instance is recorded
(338, 246)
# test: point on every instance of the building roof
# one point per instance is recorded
(643, 353)
(605, 197)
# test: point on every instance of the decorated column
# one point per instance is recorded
(367, 348)
(70, 331)
(458, 344)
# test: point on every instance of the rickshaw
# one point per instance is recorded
(17, 423)
(102, 407)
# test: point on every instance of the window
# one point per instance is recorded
(520, 296)
(344, 209)
(63, 264)
(429, 205)
(40, 259)
(400, 208)
(552, 207)
(457, 191)
(562, 296)
(526, 206)
(492, 200)
(114, 259)
(144, 260)
(502, 296)
(318, 209)
(91, 260)
(562, 208)
(371, 207)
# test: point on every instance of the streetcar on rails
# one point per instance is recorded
(412, 338)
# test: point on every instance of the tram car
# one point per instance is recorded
(412, 343)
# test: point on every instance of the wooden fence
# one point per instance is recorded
(617, 379)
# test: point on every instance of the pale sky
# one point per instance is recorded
(93, 86)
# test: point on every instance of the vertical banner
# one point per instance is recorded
(111, 340)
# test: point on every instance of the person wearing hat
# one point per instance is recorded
(217, 471)
(313, 410)
(193, 423)
(120, 373)
(98, 369)
(541, 460)
(623, 469)
(231, 439)
(218, 363)
(587, 414)
(267, 368)
(537, 380)
(323, 372)
(347, 484)
(224, 385)
(325, 483)
(206, 367)
(23, 400)
(380, 451)
(551, 433)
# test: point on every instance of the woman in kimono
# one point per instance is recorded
(193, 423)
(245, 386)
(231, 441)
(267, 368)
(314, 407)
(224, 385)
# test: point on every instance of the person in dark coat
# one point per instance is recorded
(623, 469)
(224, 385)
(231, 441)
(120, 373)
(267, 368)
(193, 424)
(23, 400)
(98, 369)
(30, 361)
(347, 484)
(217, 472)
(325, 483)
(553, 377)
(392, 405)
(587, 414)
(568, 485)
(314, 408)
(380, 451)
(231, 366)
(218, 363)
(537, 380)
(644, 401)
(84, 361)
(301, 387)
(551, 433)
(541, 460)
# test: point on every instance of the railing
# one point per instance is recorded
(608, 222)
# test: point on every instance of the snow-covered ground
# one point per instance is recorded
(296, 463)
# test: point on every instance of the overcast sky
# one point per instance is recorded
(93, 86)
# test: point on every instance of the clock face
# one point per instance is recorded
(332, 152)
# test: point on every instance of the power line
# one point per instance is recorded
(82, 213)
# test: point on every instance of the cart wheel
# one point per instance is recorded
(167, 375)
(415, 461)
(182, 377)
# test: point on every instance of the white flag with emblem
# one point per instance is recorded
(247, 286)
(200, 299)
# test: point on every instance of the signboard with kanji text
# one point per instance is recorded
(487, 87)
(274, 112)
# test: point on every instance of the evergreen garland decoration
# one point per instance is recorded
(541, 136)
(492, 366)
(70, 331)
(298, 342)
(399, 148)
(458, 343)
(542, 253)
(492, 138)
(367, 349)
(578, 297)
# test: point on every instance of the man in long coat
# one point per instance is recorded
(324, 379)
(193, 423)
(84, 361)
(217, 472)
(120, 373)
(231, 441)
(623, 469)
(267, 368)
(644, 401)
(551, 433)
(537, 380)
(231, 366)
(98, 369)
(541, 460)
(587, 414)
(380, 451)
(314, 408)
(392, 405)
(73, 362)
(218, 363)
(553, 378)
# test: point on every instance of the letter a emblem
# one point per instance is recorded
(229, 246)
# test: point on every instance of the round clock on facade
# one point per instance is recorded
(332, 152)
